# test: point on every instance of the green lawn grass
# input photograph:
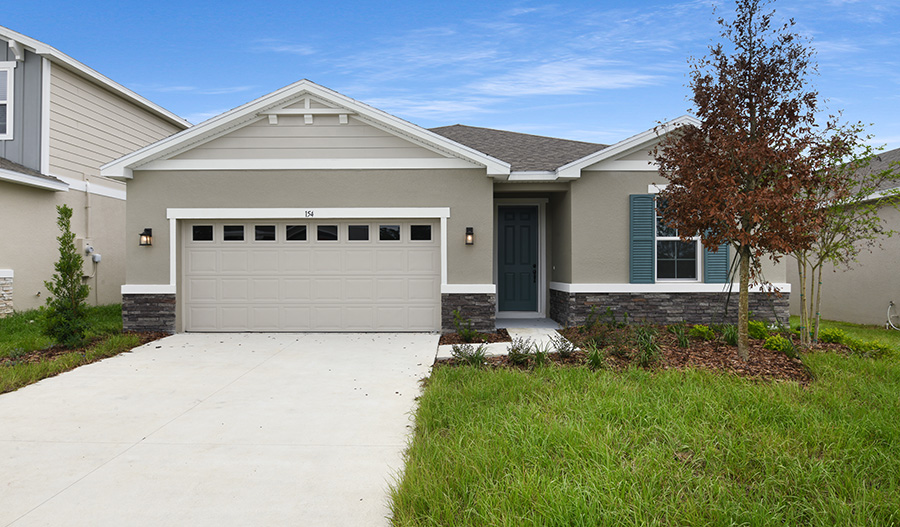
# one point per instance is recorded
(20, 333)
(860, 332)
(568, 446)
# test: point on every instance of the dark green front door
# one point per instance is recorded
(518, 255)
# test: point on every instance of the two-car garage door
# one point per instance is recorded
(300, 275)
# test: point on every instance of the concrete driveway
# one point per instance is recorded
(216, 429)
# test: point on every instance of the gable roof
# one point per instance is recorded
(883, 161)
(277, 103)
(18, 41)
(16, 173)
(524, 152)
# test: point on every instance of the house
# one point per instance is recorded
(861, 293)
(59, 121)
(306, 210)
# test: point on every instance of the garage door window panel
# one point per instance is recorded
(202, 233)
(389, 233)
(233, 233)
(327, 233)
(295, 233)
(358, 233)
(264, 233)
(420, 233)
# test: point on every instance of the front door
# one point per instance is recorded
(518, 257)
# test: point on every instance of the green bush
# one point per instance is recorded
(562, 346)
(647, 349)
(680, 332)
(541, 354)
(464, 327)
(872, 348)
(701, 332)
(520, 351)
(596, 357)
(782, 344)
(832, 336)
(757, 329)
(730, 334)
(469, 354)
(65, 316)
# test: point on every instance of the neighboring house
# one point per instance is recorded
(306, 210)
(59, 121)
(861, 293)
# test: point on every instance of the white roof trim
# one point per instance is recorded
(122, 167)
(573, 169)
(59, 57)
(32, 181)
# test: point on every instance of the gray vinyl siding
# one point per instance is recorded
(25, 146)
(90, 126)
(292, 139)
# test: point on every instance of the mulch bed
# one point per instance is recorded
(501, 335)
(56, 351)
(763, 364)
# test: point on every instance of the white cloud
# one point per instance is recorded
(280, 46)
(563, 77)
(435, 109)
(199, 117)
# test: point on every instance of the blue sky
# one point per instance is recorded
(595, 71)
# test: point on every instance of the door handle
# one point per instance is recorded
(534, 273)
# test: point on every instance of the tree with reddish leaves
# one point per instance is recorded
(746, 174)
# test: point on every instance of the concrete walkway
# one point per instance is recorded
(217, 429)
(538, 330)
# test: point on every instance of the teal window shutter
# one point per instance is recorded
(716, 265)
(643, 238)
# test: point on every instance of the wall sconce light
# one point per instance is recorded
(146, 238)
(470, 236)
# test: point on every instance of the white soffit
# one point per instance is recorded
(19, 41)
(606, 159)
(275, 104)
(33, 181)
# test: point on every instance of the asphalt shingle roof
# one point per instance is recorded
(883, 161)
(524, 152)
(6, 164)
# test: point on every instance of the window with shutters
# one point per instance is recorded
(675, 259)
(6, 100)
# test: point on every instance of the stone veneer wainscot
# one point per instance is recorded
(571, 309)
(6, 295)
(480, 308)
(148, 312)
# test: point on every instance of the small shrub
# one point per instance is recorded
(871, 348)
(647, 349)
(619, 344)
(596, 357)
(701, 332)
(680, 332)
(464, 327)
(562, 346)
(520, 351)
(782, 344)
(541, 354)
(757, 329)
(65, 315)
(832, 336)
(469, 354)
(599, 340)
(730, 334)
(592, 320)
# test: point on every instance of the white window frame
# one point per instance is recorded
(656, 238)
(10, 68)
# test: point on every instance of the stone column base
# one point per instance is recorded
(6, 295)
(148, 312)
(480, 308)
(571, 309)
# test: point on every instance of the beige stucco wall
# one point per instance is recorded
(860, 294)
(601, 223)
(30, 249)
(468, 193)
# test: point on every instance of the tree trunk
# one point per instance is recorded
(744, 304)
(818, 304)
(804, 313)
